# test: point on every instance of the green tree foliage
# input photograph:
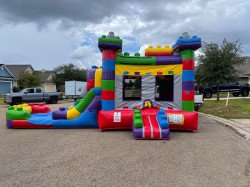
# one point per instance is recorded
(68, 72)
(29, 80)
(217, 63)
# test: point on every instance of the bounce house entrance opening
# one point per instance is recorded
(131, 88)
(164, 88)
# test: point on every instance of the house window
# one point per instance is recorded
(164, 88)
(131, 87)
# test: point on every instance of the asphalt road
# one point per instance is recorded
(213, 156)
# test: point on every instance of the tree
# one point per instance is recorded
(68, 72)
(29, 80)
(217, 63)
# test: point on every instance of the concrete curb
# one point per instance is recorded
(238, 127)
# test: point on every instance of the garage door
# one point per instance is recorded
(5, 87)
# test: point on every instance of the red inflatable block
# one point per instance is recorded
(188, 64)
(90, 84)
(108, 55)
(188, 95)
(40, 108)
(190, 122)
(108, 95)
(115, 119)
(158, 54)
(24, 124)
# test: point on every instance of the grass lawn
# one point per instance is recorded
(1, 101)
(236, 109)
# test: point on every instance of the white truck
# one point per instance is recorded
(75, 89)
(198, 101)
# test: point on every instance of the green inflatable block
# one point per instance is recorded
(108, 84)
(83, 104)
(187, 55)
(19, 114)
(171, 72)
(188, 106)
(137, 119)
(110, 40)
(134, 60)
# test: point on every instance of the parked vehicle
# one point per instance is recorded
(235, 88)
(32, 95)
(198, 101)
(75, 89)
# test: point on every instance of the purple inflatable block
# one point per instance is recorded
(184, 46)
(95, 104)
(58, 114)
(108, 75)
(187, 85)
(103, 45)
(164, 60)
(165, 133)
(9, 124)
(137, 133)
(90, 74)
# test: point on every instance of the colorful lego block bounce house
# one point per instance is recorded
(149, 95)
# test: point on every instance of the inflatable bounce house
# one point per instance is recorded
(149, 95)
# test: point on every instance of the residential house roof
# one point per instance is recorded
(46, 75)
(245, 68)
(18, 69)
(11, 76)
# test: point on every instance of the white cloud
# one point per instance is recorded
(86, 56)
(142, 49)
(51, 34)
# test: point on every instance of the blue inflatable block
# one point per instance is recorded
(194, 39)
(97, 91)
(108, 105)
(162, 119)
(188, 75)
(41, 119)
(108, 64)
(85, 120)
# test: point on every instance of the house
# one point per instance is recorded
(46, 77)
(7, 79)
(245, 72)
(10, 73)
(18, 69)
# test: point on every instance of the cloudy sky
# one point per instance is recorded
(49, 33)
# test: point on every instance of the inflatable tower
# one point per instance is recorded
(109, 45)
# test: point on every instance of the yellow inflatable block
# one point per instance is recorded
(23, 106)
(165, 49)
(145, 70)
(72, 113)
(98, 77)
(147, 104)
(26, 107)
(71, 107)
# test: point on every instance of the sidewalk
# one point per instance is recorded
(241, 126)
(225, 98)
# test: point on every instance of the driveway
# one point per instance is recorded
(213, 156)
